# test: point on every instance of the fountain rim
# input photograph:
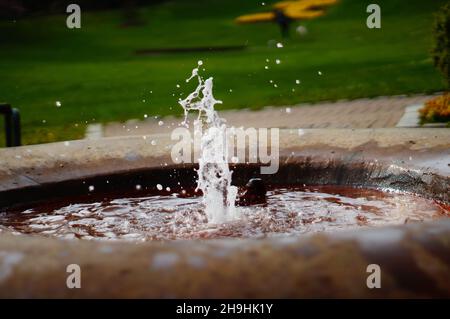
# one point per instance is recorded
(403, 159)
(124, 269)
(421, 151)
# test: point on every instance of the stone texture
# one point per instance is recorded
(320, 266)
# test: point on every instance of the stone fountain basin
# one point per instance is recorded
(414, 258)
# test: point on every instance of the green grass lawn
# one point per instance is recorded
(96, 76)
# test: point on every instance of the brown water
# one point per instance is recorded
(167, 217)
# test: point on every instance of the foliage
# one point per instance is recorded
(436, 110)
(441, 45)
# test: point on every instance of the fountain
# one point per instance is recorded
(341, 200)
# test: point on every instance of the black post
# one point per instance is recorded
(15, 120)
(12, 125)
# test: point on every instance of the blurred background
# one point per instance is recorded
(131, 58)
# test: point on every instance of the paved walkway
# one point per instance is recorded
(380, 112)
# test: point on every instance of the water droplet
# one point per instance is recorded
(297, 81)
(153, 142)
(168, 188)
(138, 187)
(320, 73)
(288, 110)
(266, 67)
(58, 104)
(200, 62)
(145, 116)
(159, 187)
(279, 45)
(91, 188)
(277, 61)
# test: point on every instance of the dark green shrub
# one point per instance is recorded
(441, 45)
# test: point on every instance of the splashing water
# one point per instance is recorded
(214, 175)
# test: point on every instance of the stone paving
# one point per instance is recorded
(380, 112)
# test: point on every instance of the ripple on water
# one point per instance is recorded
(288, 212)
